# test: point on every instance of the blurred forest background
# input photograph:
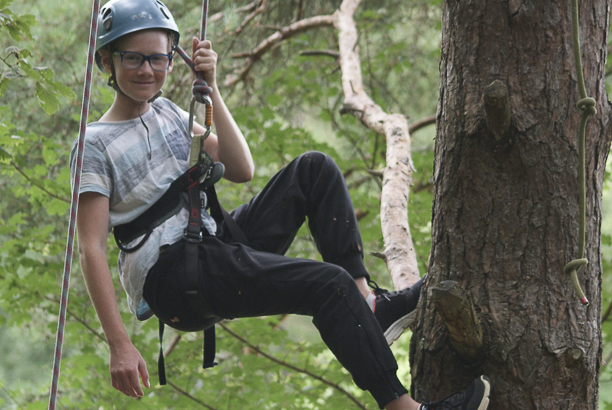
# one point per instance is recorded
(288, 103)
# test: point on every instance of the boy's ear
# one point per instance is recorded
(105, 59)
(171, 65)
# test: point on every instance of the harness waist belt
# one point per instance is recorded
(165, 207)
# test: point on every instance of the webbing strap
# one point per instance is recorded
(165, 207)
(219, 214)
(209, 348)
(161, 367)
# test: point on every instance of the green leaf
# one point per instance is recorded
(48, 99)
(5, 156)
(57, 207)
(3, 85)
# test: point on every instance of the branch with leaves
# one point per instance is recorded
(274, 40)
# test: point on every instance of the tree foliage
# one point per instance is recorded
(288, 103)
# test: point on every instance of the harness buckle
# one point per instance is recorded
(192, 237)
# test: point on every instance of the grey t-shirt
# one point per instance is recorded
(116, 164)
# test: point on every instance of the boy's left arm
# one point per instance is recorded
(228, 145)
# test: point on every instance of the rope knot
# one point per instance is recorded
(575, 265)
(587, 105)
(201, 91)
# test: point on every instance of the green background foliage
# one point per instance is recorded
(288, 104)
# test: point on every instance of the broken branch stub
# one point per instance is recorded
(497, 109)
(456, 309)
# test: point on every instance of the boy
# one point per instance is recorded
(141, 145)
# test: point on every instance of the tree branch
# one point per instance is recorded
(292, 367)
(280, 36)
(186, 394)
(325, 53)
(257, 9)
(422, 123)
(173, 343)
(38, 295)
(606, 314)
(300, 10)
(37, 185)
(400, 253)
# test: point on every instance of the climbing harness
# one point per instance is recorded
(587, 105)
(74, 204)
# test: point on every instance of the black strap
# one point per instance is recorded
(161, 368)
(210, 348)
(193, 236)
(219, 214)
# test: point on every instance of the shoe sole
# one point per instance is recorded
(397, 328)
(483, 404)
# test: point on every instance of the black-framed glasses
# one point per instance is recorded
(133, 60)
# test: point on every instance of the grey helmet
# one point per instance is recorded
(120, 17)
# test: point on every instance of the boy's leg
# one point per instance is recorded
(312, 186)
(237, 281)
(241, 282)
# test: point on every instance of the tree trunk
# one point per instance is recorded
(505, 212)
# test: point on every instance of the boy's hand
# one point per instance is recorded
(205, 60)
(126, 364)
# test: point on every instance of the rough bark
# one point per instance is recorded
(505, 212)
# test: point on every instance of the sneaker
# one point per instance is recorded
(392, 309)
(475, 397)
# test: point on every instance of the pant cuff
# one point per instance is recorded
(385, 393)
(353, 264)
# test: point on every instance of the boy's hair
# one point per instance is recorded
(121, 17)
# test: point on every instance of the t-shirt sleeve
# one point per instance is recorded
(96, 173)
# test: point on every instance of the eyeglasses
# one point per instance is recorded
(133, 60)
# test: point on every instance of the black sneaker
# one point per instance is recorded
(392, 309)
(475, 397)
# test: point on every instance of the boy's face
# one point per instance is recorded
(142, 83)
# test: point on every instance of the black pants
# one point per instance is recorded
(257, 280)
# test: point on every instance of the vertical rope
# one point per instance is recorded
(74, 206)
(204, 20)
(587, 105)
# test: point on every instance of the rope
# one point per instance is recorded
(200, 89)
(587, 105)
(74, 206)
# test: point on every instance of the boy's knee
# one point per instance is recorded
(319, 162)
